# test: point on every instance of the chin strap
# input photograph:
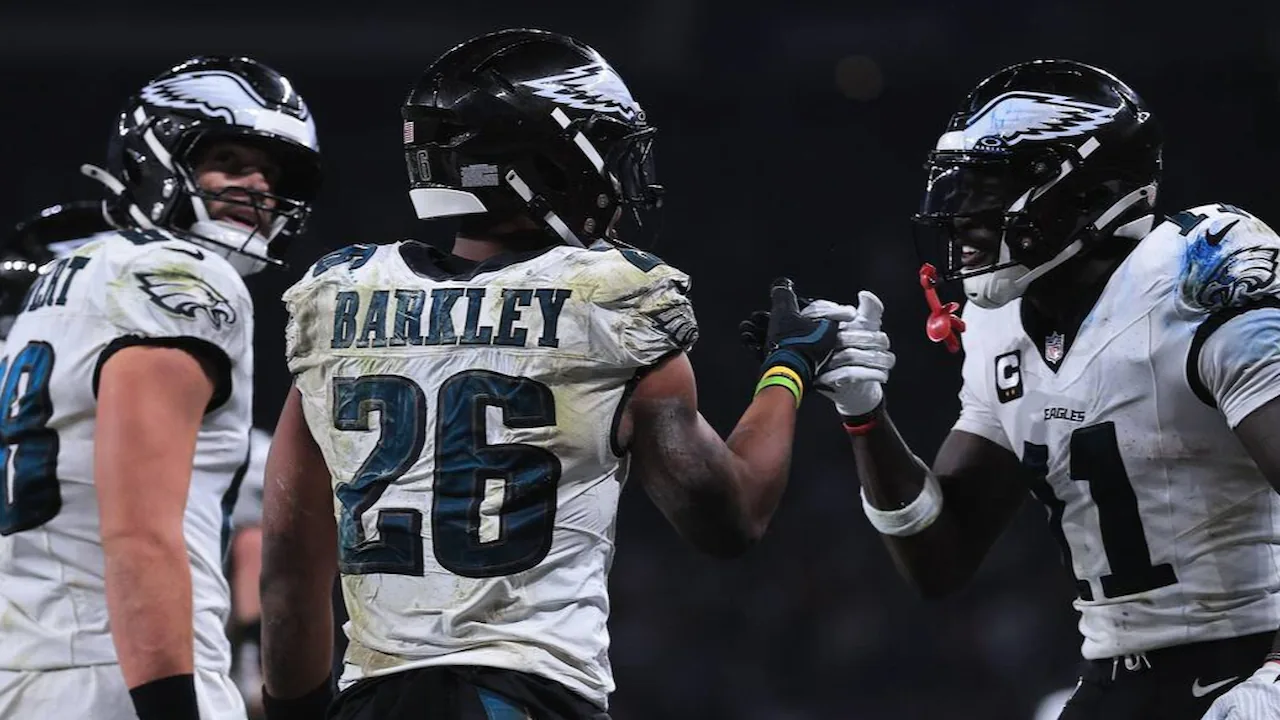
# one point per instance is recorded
(1097, 232)
(229, 241)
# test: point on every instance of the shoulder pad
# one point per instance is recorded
(1230, 258)
(334, 267)
(619, 273)
(353, 256)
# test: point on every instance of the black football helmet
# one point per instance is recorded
(163, 128)
(50, 233)
(534, 123)
(1044, 160)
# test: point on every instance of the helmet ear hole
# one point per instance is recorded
(1045, 167)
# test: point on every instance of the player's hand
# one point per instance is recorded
(1257, 698)
(793, 340)
(854, 377)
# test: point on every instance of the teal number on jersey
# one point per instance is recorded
(29, 492)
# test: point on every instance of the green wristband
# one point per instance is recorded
(781, 381)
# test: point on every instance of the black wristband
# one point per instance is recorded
(311, 706)
(793, 360)
(169, 698)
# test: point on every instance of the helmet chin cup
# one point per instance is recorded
(243, 248)
(996, 288)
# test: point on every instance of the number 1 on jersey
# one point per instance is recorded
(1095, 460)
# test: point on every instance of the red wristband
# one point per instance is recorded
(861, 429)
(864, 423)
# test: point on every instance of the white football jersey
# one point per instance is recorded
(1170, 529)
(467, 417)
(118, 290)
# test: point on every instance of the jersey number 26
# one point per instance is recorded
(494, 506)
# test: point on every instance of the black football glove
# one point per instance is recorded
(789, 339)
(754, 330)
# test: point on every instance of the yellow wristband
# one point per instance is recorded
(787, 372)
(781, 381)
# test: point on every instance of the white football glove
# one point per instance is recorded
(853, 377)
(1257, 698)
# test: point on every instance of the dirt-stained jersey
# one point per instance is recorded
(1172, 532)
(467, 415)
(117, 290)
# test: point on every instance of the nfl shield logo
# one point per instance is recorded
(1053, 348)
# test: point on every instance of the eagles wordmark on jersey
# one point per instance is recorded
(1169, 528)
(119, 289)
(467, 415)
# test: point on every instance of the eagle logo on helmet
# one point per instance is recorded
(594, 86)
(215, 93)
(1017, 116)
(181, 293)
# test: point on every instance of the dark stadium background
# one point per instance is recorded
(791, 141)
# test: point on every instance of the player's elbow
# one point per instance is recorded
(707, 512)
(723, 533)
(146, 534)
(149, 546)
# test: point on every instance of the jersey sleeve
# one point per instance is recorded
(1230, 278)
(1229, 262)
(248, 507)
(300, 332)
(1239, 362)
(977, 413)
(645, 309)
(171, 294)
(310, 304)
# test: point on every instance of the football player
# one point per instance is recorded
(244, 569)
(126, 398)
(471, 416)
(1122, 365)
(54, 231)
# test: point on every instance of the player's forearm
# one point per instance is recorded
(936, 560)
(297, 622)
(891, 474)
(719, 496)
(148, 579)
(762, 442)
(144, 442)
(299, 559)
